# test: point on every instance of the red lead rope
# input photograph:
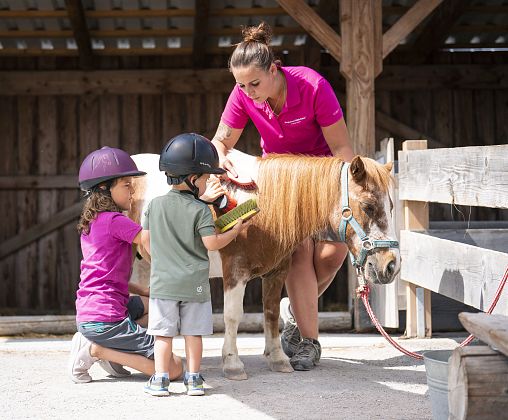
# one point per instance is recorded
(364, 291)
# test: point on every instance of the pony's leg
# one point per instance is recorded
(272, 288)
(232, 366)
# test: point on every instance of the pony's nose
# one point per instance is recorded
(390, 269)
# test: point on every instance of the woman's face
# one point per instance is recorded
(122, 191)
(258, 84)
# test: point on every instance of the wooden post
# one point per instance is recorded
(361, 62)
(416, 217)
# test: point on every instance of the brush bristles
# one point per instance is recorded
(244, 211)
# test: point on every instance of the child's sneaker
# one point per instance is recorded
(194, 384)
(157, 387)
(80, 359)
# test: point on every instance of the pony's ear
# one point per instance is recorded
(358, 170)
(389, 166)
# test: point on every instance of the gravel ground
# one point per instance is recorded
(359, 377)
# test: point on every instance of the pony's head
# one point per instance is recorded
(364, 220)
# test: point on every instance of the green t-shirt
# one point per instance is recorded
(180, 266)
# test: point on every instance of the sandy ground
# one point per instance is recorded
(359, 377)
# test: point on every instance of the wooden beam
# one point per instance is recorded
(398, 128)
(491, 329)
(463, 272)
(361, 60)
(199, 40)
(30, 235)
(80, 32)
(39, 182)
(407, 23)
(314, 25)
(469, 176)
(437, 29)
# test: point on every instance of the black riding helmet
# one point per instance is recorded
(187, 154)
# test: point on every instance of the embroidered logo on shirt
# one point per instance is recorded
(199, 289)
(336, 112)
(295, 121)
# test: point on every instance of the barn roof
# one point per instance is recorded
(185, 27)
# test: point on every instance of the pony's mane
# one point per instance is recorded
(298, 194)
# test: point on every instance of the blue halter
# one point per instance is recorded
(368, 245)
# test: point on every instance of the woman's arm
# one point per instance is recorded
(337, 137)
(225, 138)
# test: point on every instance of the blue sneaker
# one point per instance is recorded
(194, 384)
(157, 387)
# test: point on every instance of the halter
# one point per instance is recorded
(368, 245)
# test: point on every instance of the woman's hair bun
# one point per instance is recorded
(261, 33)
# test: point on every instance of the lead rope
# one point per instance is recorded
(364, 290)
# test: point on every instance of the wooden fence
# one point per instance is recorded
(465, 265)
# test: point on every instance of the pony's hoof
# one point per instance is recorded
(281, 366)
(235, 374)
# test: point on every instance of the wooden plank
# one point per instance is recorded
(459, 271)
(36, 232)
(26, 258)
(76, 15)
(8, 210)
(199, 39)
(472, 176)
(109, 121)
(151, 124)
(416, 216)
(68, 257)
(491, 329)
(314, 25)
(39, 182)
(407, 24)
(47, 157)
(477, 383)
(130, 140)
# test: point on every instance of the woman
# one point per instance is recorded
(296, 111)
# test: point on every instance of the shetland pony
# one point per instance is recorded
(299, 196)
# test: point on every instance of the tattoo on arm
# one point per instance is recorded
(223, 132)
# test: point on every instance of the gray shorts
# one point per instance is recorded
(126, 336)
(169, 318)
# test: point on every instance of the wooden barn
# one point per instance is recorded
(78, 75)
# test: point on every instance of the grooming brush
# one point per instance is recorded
(243, 211)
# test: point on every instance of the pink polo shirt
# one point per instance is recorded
(105, 269)
(310, 104)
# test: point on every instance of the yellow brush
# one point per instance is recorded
(243, 211)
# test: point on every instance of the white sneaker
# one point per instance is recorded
(285, 312)
(114, 369)
(80, 359)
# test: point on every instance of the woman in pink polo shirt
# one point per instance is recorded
(295, 111)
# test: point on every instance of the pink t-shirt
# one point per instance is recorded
(310, 105)
(105, 269)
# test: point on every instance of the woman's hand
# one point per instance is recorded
(225, 138)
(214, 190)
(229, 167)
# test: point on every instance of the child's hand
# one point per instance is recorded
(214, 189)
(241, 225)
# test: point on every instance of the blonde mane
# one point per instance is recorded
(298, 194)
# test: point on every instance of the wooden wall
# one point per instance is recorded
(51, 134)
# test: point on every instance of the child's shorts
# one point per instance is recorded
(169, 318)
(126, 336)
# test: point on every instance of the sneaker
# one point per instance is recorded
(194, 384)
(307, 354)
(157, 387)
(80, 359)
(290, 337)
(114, 369)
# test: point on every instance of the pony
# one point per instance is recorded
(299, 196)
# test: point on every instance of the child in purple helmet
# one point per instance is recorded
(105, 314)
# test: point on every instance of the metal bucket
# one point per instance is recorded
(436, 366)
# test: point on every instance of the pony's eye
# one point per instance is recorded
(368, 208)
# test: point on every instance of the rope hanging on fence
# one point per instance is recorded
(364, 291)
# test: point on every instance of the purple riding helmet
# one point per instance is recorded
(106, 164)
